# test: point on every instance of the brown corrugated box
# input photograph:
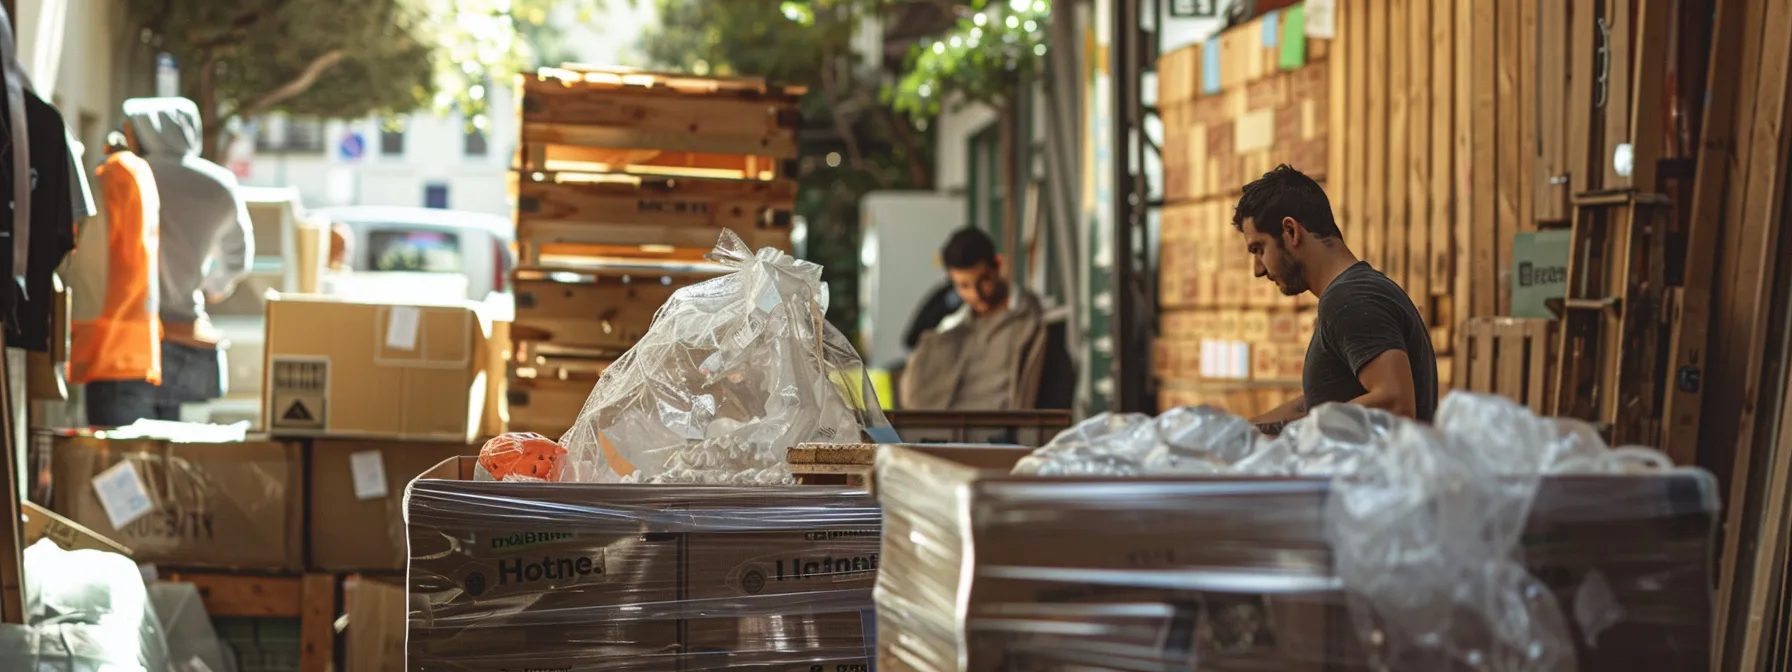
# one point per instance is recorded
(503, 569)
(341, 368)
(1185, 544)
(348, 533)
(234, 505)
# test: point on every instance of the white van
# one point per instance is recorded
(421, 243)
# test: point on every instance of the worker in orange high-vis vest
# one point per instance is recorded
(118, 355)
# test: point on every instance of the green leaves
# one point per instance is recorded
(982, 59)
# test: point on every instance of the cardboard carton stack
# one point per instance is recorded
(1234, 107)
(624, 179)
(507, 576)
(987, 571)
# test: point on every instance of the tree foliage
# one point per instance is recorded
(336, 58)
(983, 59)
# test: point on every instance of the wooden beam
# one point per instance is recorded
(1462, 173)
(1484, 152)
(1337, 179)
(1582, 39)
(1356, 156)
(1507, 145)
(1442, 197)
(1375, 197)
(1691, 323)
(1393, 260)
(1750, 291)
(1549, 194)
(317, 619)
(1527, 145)
(1618, 99)
(1418, 159)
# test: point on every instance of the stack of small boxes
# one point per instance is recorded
(1234, 107)
(624, 181)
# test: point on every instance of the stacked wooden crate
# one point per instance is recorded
(1234, 108)
(624, 181)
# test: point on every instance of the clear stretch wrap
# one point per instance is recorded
(1494, 540)
(507, 576)
(733, 371)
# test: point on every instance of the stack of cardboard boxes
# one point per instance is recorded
(1234, 107)
(507, 576)
(623, 179)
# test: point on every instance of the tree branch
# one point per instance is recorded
(294, 87)
(234, 30)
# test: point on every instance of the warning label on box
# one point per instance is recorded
(298, 392)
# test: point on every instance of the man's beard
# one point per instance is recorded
(997, 297)
(1293, 278)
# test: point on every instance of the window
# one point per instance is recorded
(305, 135)
(986, 189)
(474, 142)
(435, 195)
(414, 251)
(286, 134)
(392, 137)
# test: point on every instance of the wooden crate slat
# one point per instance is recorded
(1375, 196)
(543, 157)
(1418, 187)
(1550, 194)
(610, 77)
(734, 204)
(1618, 100)
(538, 242)
(546, 406)
(580, 115)
(1394, 252)
(1483, 86)
(1356, 100)
(1509, 343)
(603, 315)
(1442, 194)
(1506, 140)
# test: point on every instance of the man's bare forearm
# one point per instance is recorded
(1271, 423)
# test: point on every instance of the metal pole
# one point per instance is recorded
(1131, 358)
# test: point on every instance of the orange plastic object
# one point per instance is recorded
(527, 455)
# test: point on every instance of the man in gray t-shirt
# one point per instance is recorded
(1370, 346)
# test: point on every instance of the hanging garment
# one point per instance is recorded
(125, 341)
(60, 197)
(204, 221)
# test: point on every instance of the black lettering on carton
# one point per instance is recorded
(177, 525)
(548, 568)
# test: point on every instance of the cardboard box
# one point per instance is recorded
(376, 612)
(836, 642)
(230, 505)
(626, 568)
(1012, 561)
(376, 370)
(356, 502)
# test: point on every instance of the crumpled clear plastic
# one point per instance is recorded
(88, 611)
(732, 372)
(1424, 520)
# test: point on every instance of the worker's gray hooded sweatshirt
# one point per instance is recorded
(207, 241)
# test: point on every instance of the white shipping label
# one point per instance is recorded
(1321, 19)
(369, 469)
(401, 327)
(122, 494)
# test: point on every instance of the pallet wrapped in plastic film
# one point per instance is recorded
(629, 577)
(1354, 541)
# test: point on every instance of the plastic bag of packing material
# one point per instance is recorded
(88, 611)
(1424, 521)
(732, 372)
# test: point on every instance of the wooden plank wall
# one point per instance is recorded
(1229, 339)
(1446, 138)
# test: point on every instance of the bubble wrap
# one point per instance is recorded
(1424, 520)
(732, 372)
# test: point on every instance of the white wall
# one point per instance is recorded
(433, 153)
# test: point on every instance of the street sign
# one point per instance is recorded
(352, 147)
(1194, 9)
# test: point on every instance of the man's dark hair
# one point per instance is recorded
(1286, 192)
(968, 247)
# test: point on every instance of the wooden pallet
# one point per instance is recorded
(1510, 357)
(580, 112)
(311, 598)
(848, 464)
(546, 392)
(574, 198)
(604, 310)
(564, 245)
(547, 157)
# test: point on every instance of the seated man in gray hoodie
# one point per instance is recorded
(207, 243)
